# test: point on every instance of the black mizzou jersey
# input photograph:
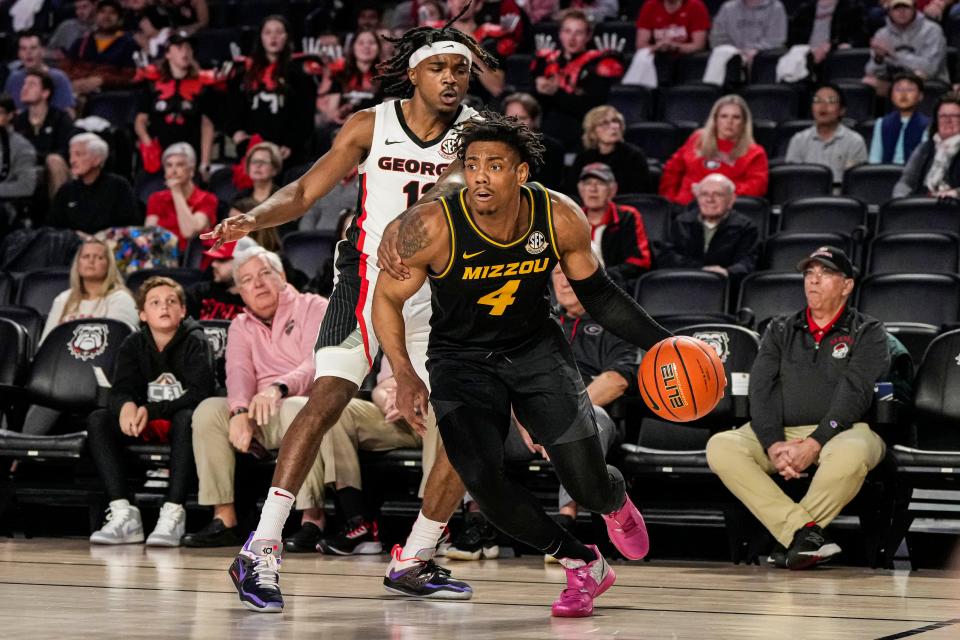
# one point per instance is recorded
(493, 296)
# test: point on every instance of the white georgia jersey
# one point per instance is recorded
(398, 170)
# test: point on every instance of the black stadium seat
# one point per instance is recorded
(14, 355)
(7, 286)
(689, 69)
(186, 277)
(216, 332)
(39, 288)
(517, 71)
(930, 298)
(913, 252)
(782, 252)
(213, 45)
(308, 251)
(791, 181)
(688, 103)
(825, 214)
(872, 183)
(919, 213)
(682, 292)
(764, 67)
(776, 102)
(633, 101)
(28, 318)
(116, 107)
(845, 64)
(915, 336)
(859, 98)
(659, 140)
(656, 213)
(757, 209)
(765, 294)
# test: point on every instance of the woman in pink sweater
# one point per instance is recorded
(724, 145)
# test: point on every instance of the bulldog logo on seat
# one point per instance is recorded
(89, 341)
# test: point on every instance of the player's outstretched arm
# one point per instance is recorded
(388, 255)
(607, 303)
(423, 242)
(293, 200)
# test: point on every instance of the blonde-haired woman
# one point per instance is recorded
(96, 290)
(724, 145)
(603, 129)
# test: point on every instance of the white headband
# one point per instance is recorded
(439, 48)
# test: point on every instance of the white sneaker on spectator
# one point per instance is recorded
(170, 527)
(123, 525)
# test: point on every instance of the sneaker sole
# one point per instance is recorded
(362, 549)
(487, 553)
(132, 540)
(170, 544)
(823, 554)
(436, 595)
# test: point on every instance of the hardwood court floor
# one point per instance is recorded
(64, 588)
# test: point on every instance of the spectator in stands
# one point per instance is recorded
(102, 59)
(751, 26)
(934, 167)
(676, 27)
(430, 12)
(182, 208)
(163, 372)
(30, 57)
(18, 160)
(603, 129)
(263, 164)
(596, 10)
(369, 15)
(828, 141)
(498, 27)
(363, 426)
(95, 199)
(348, 84)
(96, 290)
(47, 128)
(175, 105)
(72, 29)
(571, 80)
(724, 145)
(608, 368)
(219, 297)
(898, 133)
(541, 10)
(908, 43)
(189, 16)
(525, 108)
(324, 213)
(828, 25)
(270, 368)
(712, 236)
(151, 30)
(273, 96)
(808, 410)
(619, 237)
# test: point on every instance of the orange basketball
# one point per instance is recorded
(681, 379)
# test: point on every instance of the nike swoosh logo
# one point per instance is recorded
(467, 256)
(393, 142)
(449, 46)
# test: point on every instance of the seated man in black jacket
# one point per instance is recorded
(94, 199)
(712, 236)
(810, 386)
(162, 373)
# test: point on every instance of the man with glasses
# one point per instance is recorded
(828, 141)
(810, 387)
(711, 235)
(270, 368)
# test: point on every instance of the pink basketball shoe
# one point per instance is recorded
(584, 583)
(627, 531)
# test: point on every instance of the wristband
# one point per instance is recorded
(238, 411)
(284, 389)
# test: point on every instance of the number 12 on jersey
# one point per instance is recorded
(499, 300)
(413, 191)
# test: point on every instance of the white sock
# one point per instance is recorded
(120, 504)
(274, 515)
(421, 543)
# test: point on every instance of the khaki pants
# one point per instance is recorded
(215, 455)
(743, 466)
(361, 427)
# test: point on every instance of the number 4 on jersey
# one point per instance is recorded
(499, 300)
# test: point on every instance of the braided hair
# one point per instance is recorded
(490, 126)
(392, 73)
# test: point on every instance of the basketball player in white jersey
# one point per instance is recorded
(402, 149)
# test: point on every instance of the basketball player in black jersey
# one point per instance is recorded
(488, 252)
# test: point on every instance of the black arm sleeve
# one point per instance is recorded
(620, 314)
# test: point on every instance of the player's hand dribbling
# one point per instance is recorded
(412, 396)
(388, 258)
(230, 229)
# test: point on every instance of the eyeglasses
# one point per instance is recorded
(609, 122)
(948, 116)
(823, 272)
(819, 100)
